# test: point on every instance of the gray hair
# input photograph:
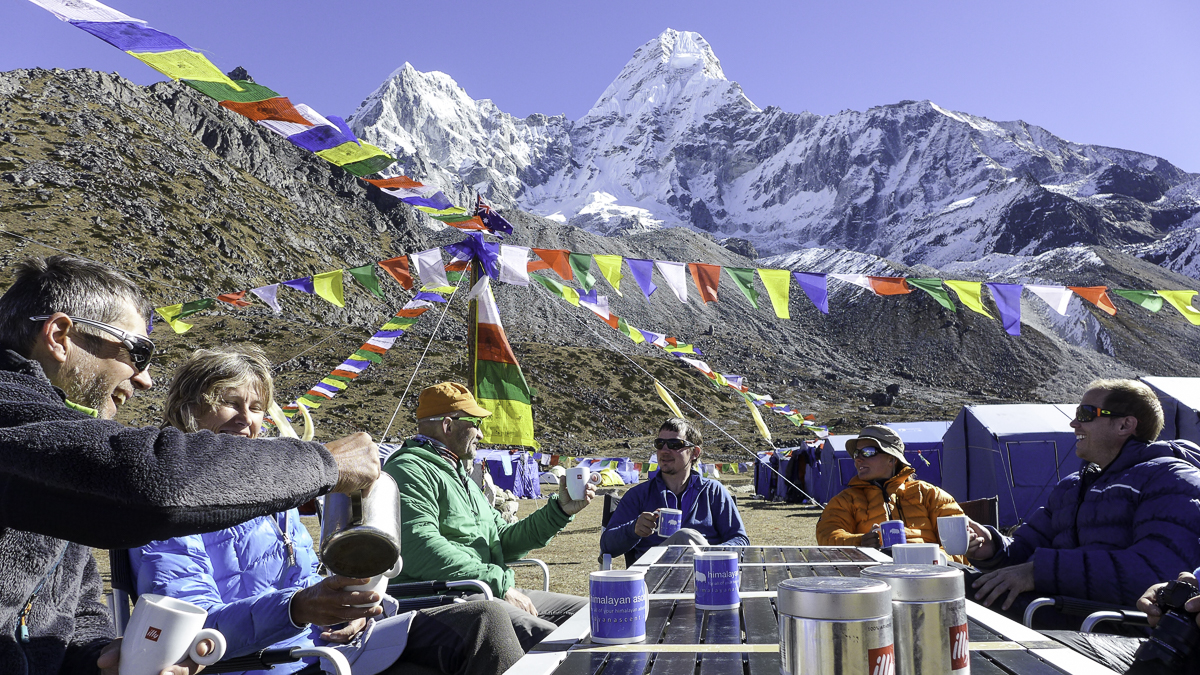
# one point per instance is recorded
(206, 374)
(63, 283)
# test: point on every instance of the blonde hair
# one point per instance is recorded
(1135, 398)
(197, 384)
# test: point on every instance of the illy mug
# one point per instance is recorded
(163, 631)
(954, 533)
(669, 522)
(578, 479)
(917, 554)
(619, 605)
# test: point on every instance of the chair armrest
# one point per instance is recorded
(1122, 616)
(260, 660)
(1076, 607)
(340, 665)
(1033, 607)
(420, 588)
(526, 562)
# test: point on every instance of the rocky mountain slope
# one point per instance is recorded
(672, 142)
(196, 201)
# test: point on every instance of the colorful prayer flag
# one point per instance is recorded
(1058, 297)
(707, 277)
(816, 287)
(500, 386)
(675, 274)
(1150, 300)
(1182, 301)
(365, 275)
(1008, 303)
(969, 294)
(778, 284)
(610, 269)
(743, 278)
(1097, 296)
(581, 265)
(643, 272)
(934, 288)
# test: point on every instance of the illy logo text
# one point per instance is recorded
(152, 634)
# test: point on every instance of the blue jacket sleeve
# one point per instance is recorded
(181, 568)
(728, 521)
(618, 537)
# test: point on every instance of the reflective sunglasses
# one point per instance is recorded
(141, 349)
(672, 444)
(474, 421)
(867, 452)
(1087, 413)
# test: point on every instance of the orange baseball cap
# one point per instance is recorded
(448, 398)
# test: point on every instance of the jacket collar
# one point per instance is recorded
(1136, 452)
(890, 484)
(13, 362)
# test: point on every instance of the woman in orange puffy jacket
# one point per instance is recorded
(884, 489)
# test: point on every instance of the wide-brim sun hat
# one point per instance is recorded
(888, 440)
(448, 398)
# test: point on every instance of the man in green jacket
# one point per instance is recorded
(450, 531)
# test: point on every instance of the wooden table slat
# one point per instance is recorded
(773, 555)
(682, 629)
(976, 632)
(656, 620)
(762, 664)
(627, 663)
(753, 578)
(723, 627)
(654, 578)
(761, 622)
(752, 555)
(581, 663)
(677, 580)
(775, 575)
(672, 555)
(1022, 662)
(673, 663)
(980, 665)
(793, 555)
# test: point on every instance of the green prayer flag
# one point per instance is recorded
(364, 355)
(1148, 299)
(581, 265)
(194, 306)
(743, 278)
(365, 275)
(370, 165)
(565, 292)
(934, 287)
(251, 93)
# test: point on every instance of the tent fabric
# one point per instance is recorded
(1180, 398)
(923, 449)
(1016, 452)
(623, 466)
(516, 472)
(610, 478)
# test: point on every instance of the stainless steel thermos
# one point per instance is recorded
(929, 618)
(835, 626)
(360, 534)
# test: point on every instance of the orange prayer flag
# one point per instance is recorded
(558, 261)
(1097, 296)
(469, 224)
(412, 312)
(534, 265)
(458, 266)
(706, 277)
(397, 268)
(889, 285)
(234, 299)
(278, 109)
(613, 320)
(399, 182)
(368, 347)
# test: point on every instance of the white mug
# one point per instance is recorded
(917, 554)
(577, 480)
(164, 631)
(954, 532)
(378, 583)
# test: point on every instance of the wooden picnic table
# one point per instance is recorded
(746, 641)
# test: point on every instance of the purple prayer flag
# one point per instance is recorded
(321, 137)
(643, 272)
(150, 326)
(1008, 301)
(591, 297)
(354, 365)
(438, 201)
(305, 284)
(343, 127)
(389, 333)
(132, 37)
(321, 386)
(473, 246)
(815, 287)
(429, 296)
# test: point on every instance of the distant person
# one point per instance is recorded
(710, 515)
(884, 488)
(1127, 520)
(450, 531)
(258, 580)
(73, 350)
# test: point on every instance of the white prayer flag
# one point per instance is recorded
(83, 10)
(1058, 297)
(675, 274)
(514, 265)
(856, 279)
(268, 295)
(600, 307)
(430, 268)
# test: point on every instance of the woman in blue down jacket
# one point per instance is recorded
(258, 580)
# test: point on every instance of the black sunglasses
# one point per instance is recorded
(1087, 413)
(869, 451)
(672, 444)
(141, 349)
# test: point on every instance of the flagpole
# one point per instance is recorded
(476, 267)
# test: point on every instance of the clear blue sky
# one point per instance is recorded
(1118, 73)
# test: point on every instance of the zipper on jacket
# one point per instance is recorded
(23, 618)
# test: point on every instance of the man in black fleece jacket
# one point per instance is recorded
(70, 477)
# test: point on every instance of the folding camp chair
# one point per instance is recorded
(984, 511)
(1094, 612)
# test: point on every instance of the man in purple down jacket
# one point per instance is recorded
(1129, 519)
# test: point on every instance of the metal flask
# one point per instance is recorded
(929, 618)
(360, 534)
(835, 626)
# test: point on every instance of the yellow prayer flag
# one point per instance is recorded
(969, 294)
(184, 64)
(329, 286)
(334, 383)
(758, 421)
(666, 397)
(350, 152)
(1182, 301)
(571, 295)
(777, 283)
(610, 268)
(169, 313)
